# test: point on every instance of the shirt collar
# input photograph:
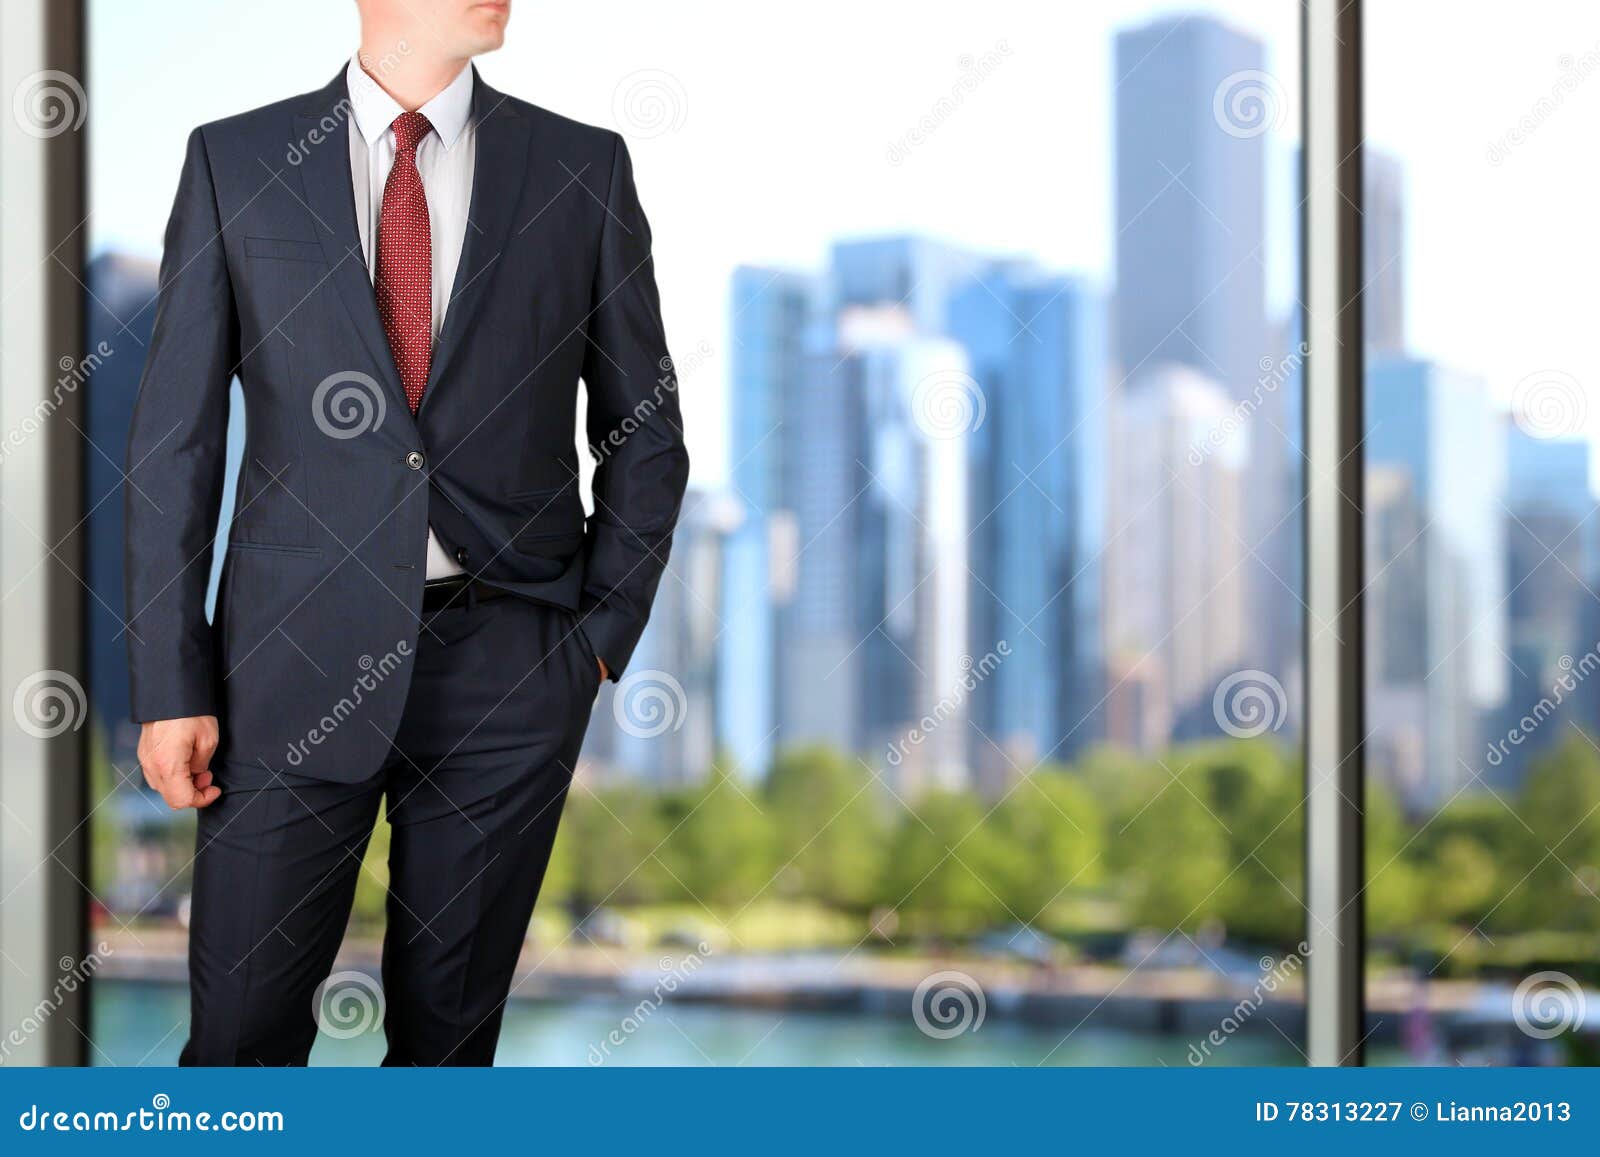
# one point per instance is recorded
(375, 109)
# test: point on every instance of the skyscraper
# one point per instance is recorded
(1195, 108)
(1436, 458)
(771, 313)
(1175, 591)
(1383, 242)
(876, 631)
(1037, 345)
(663, 730)
(919, 448)
(1550, 571)
(1189, 193)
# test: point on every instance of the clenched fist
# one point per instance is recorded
(176, 757)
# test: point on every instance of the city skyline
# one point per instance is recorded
(1057, 557)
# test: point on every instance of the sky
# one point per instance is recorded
(762, 133)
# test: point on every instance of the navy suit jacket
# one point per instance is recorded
(263, 277)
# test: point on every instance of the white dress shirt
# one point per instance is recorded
(445, 159)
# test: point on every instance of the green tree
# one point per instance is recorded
(1257, 794)
(721, 845)
(1395, 887)
(605, 850)
(1171, 853)
(1459, 856)
(829, 824)
(1049, 842)
(941, 861)
(1560, 855)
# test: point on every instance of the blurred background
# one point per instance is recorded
(966, 730)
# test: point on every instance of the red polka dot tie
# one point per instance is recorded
(405, 260)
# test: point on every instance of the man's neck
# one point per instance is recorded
(412, 77)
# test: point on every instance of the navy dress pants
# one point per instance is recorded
(473, 790)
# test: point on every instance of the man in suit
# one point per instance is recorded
(408, 272)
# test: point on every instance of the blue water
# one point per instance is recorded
(144, 1023)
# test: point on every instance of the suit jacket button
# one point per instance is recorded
(415, 460)
(461, 556)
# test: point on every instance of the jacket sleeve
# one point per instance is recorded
(634, 428)
(176, 452)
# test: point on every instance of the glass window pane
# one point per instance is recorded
(966, 728)
(1483, 836)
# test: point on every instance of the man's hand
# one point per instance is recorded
(176, 757)
(604, 674)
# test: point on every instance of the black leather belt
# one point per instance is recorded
(441, 593)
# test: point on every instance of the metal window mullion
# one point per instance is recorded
(1334, 421)
(43, 905)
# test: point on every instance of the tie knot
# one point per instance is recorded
(409, 129)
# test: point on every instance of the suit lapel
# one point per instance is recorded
(330, 196)
(497, 186)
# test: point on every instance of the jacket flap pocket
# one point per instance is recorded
(282, 249)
